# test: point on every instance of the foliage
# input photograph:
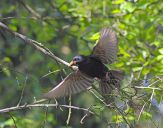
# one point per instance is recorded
(72, 27)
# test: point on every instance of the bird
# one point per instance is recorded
(91, 67)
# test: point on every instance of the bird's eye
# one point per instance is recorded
(75, 59)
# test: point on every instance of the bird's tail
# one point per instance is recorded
(107, 87)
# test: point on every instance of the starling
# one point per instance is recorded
(91, 67)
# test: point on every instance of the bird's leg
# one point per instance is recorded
(107, 77)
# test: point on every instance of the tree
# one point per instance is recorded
(62, 29)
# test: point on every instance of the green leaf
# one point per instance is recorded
(116, 11)
(157, 43)
(8, 122)
(131, 118)
(128, 7)
(117, 1)
(13, 27)
(117, 118)
(95, 36)
(7, 60)
(146, 115)
(161, 50)
(6, 71)
(159, 57)
(135, 69)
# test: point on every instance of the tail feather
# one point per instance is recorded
(107, 87)
(106, 90)
(117, 74)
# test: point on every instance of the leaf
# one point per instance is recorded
(116, 11)
(7, 60)
(146, 115)
(131, 118)
(128, 7)
(135, 69)
(156, 43)
(95, 36)
(161, 51)
(13, 27)
(117, 1)
(8, 122)
(6, 71)
(117, 118)
(159, 57)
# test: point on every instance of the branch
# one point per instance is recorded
(30, 10)
(25, 106)
(123, 116)
(13, 120)
(153, 88)
(38, 46)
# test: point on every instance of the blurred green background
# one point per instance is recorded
(70, 27)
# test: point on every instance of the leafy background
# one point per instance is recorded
(70, 27)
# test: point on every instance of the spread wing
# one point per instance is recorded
(107, 46)
(73, 83)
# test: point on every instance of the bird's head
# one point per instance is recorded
(77, 59)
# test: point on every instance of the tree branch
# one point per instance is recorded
(25, 106)
(38, 46)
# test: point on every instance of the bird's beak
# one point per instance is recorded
(72, 63)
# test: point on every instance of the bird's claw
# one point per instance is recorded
(107, 78)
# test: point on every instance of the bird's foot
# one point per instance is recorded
(107, 78)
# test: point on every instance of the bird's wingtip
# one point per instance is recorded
(47, 96)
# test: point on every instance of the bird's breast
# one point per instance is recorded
(93, 68)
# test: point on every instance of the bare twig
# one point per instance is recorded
(141, 111)
(123, 116)
(159, 79)
(36, 45)
(101, 100)
(82, 119)
(22, 93)
(25, 106)
(50, 72)
(46, 114)
(69, 112)
(153, 88)
(20, 18)
(15, 126)
(30, 10)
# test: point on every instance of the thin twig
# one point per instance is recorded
(46, 115)
(154, 82)
(13, 120)
(141, 111)
(69, 112)
(25, 106)
(22, 93)
(153, 88)
(123, 116)
(30, 10)
(82, 119)
(51, 72)
(98, 97)
(36, 45)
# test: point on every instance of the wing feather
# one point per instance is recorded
(107, 46)
(73, 83)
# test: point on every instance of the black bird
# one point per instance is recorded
(92, 66)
